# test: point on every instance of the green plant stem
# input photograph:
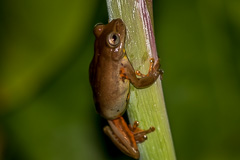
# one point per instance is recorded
(145, 105)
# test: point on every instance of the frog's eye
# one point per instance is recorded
(113, 39)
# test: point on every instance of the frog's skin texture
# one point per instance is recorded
(110, 76)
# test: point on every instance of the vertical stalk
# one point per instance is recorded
(145, 105)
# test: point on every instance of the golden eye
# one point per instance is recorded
(113, 39)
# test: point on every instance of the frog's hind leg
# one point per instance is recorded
(139, 134)
(122, 137)
(108, 131)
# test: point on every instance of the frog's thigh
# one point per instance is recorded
(122, 137)
(108, 131)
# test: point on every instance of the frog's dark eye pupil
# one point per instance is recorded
(113, 39)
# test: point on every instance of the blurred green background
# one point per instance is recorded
(46, 106)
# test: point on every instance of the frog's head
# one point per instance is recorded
(111, 38)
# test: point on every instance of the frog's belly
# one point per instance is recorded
(114, 101)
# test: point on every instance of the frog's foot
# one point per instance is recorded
(152, 60)
(142, 135)
(139, 134)
(151, 67)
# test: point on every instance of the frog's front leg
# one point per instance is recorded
(125, 137)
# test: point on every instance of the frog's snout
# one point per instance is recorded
(120, 26)
(119, 22)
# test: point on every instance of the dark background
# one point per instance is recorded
(46, 106)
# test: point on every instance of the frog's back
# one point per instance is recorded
(109, 88)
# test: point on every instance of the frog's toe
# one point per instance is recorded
(141, 135)
(157, 65)
(140, 74)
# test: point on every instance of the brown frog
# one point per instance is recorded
(110, 76)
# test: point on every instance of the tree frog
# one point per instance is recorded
(110, 74)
